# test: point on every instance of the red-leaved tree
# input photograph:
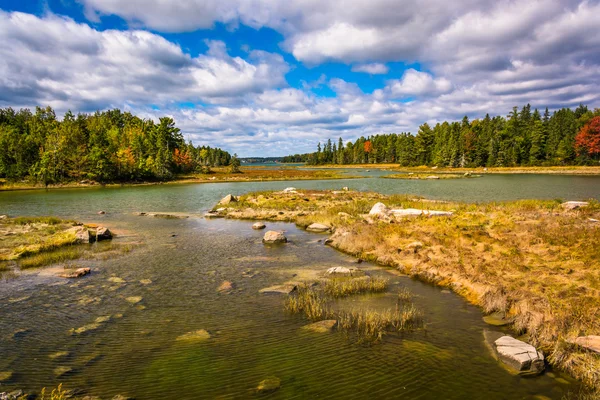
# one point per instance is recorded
(587, 141)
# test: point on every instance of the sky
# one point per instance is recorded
(274, 77)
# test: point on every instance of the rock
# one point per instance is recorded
(497, 319)
(84, 329)
(140, 213)
(574, 205)
(14, 395)
(433, 177)
(228, 199)
(122, 397)
(316, 227)
(289, 190)
(591, 342)
(195, 336)
(519, 355)
(101, 212)
(413, 247)
(145, 281)
(116, 279)
(226, 287)
(134, 299)
(82, 235)
(213, 214)
(19, 333)
(467, 174)
(103, 233)
(5, 376)
(279, 289)
(344, 271)
(274, 237)
(321, 326)
(328, 241)
(593, 220)
(345, 188)
(258, 226)
(62, 371)
(220, 209)
(57, 355)
(3, 216)
(78, 273)
(379, 209)
(269, 385)
(103, 319)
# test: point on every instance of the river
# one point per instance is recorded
(252, 337)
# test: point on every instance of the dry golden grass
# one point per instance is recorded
(531, 259)
(346, 286)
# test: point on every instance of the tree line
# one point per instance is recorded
(522, 138)
(107, 146)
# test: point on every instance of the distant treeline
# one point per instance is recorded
(104, 146)
(523, 138)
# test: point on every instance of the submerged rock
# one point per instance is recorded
(134, 299)
(519, 355)
(574, 205)
(145, 281)
(274, 237)
(5, 376)
(103, 233)
(228, 199)
(116, 279)
(78, 273)
(226, 287)
(316, 227)
(195, 336)
(270, 384)
(258, 226)
(62, 371)
(84, 329)
(590, 342)
(321, 326)
(101, 212)
(497, 319)
(279, 289)
(59, 354)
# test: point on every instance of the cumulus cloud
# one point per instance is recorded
(373, 68)
(56, 61)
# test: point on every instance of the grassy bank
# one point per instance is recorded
(220, 174)
(443, 175)
(569, 170)
(29, 242)
(534, 261)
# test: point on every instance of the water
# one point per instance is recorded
(252, 336)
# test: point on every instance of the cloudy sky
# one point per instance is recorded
(274, 77)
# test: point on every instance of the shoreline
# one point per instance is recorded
(568, 170)
(532, 297)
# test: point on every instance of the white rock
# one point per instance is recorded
(274, 237)
(379, 209)
(519, 355)
(228, 199)
(404, 212)
(258, 226)
(574, 205)
(316, 227)
(289, 190)
(433, 177)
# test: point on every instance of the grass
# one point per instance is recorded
(53, 257)
(367, 325)
(56, 394)
(419, 176)
(342, 287)
(530, 259)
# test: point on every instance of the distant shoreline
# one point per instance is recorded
(568, 170)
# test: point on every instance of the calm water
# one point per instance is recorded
(252, 337)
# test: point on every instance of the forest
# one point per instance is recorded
(109, 146)
(522, 138)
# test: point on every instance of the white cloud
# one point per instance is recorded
(57, 61)
(373, 68)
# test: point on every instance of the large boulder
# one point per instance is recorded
(228, 199)
(82, 234)
(574, 205)
(274, 237)
(344, 271)
(103, 233)
(290, 190)
(519, 355)
(590, 342)
(316, 227)
(379, 210)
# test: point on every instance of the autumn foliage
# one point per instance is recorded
(368, 146)
(587, 141)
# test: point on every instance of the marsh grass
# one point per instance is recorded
(346, 286)
(366, 325)
(404, 296)
(56, 394)
(52, 257)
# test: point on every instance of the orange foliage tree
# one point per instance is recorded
(587, 141)
(368, 147)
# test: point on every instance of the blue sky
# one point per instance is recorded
(274, 77)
